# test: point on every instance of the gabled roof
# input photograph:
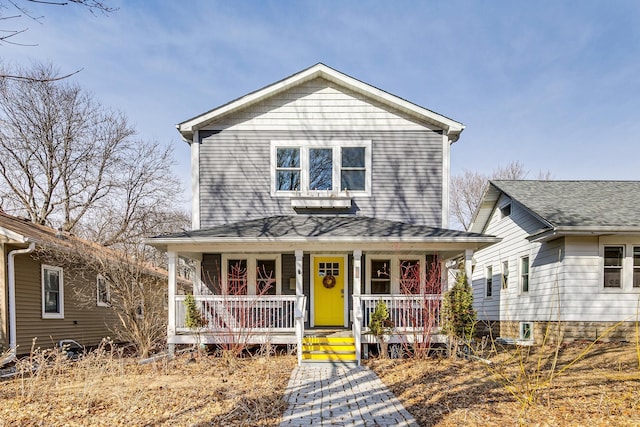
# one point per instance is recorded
(451, 127)
(569, 207)
(304, 230)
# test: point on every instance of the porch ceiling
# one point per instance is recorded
(321, 232)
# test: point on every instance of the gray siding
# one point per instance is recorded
(406, 185)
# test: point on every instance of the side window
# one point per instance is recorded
(613, 256)
(524, 274)
(103, 292)
(489, 282)
(52, 293)
(636, 266)
(505, 274)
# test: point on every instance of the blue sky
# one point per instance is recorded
(552, 84)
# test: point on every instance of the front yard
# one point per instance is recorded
(600, 389)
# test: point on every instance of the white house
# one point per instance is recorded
(569, 257)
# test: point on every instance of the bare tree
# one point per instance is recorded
(132, 289)
(68, 162)
(467, 190)
(17, 11)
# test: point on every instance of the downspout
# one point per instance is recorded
(12, 294)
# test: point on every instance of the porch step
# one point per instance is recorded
(328, 349)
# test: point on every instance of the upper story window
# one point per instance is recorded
(52, 293)
(505, 210)
(320, 168)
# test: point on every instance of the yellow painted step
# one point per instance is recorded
(328, 347)
(326, 340)
(328, 356)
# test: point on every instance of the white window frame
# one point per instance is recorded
(488, 282)
(394, 269)
(335, 145)
(107, 285)
(252, 270)
(522, 331)
(627, 269)
(520, 275)
(504, 277)
(60, 313)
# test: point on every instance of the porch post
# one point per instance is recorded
(468, 259)
(357, 312)
(197, 280)
(299, 284)
(300, 301)
(171, 323)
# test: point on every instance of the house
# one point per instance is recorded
(569, 258)
(314, 198)
(37, 291)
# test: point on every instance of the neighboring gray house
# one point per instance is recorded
(314, 198)
(570, 253)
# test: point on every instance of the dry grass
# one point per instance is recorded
(600, 389)
(108, 390)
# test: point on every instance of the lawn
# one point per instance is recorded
(106, 391)
(600, 389)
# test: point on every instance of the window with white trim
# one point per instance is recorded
(613, 257)
(526, 331)
(103, 292)
(524, 274)
(316, 168)
(620, 264)
(254, 274)
(380, 276)
(505, 274)
(636, 266)
(489, 282)
(392, 274)
(52, 292)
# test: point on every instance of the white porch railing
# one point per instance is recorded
(407, 312)
(233, 313)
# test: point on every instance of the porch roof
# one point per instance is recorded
(313, 230)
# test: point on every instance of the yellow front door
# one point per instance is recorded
(328, 288)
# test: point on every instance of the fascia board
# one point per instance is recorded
(12, 235)
(354, 240)
(549, 234)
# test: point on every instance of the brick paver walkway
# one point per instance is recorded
(339, 396)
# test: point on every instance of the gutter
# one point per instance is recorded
(12, 294)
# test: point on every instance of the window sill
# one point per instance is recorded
(340, 202)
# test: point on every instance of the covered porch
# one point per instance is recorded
(278, 279)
